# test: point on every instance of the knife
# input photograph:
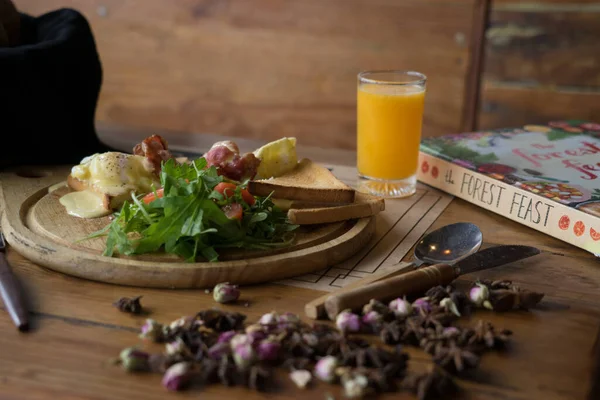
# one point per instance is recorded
(422, 279)
(9, 290)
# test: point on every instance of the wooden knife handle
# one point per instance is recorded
(11, 295)
(315, 309)
(405, 284)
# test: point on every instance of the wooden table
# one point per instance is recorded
(76, 331)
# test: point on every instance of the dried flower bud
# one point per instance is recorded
(450, 331)
(225, 292)
(129, 305)
(270, 319)
(218, 350)
(310, 339)
(239, 339)
(177, 376)
(268, 349)
(288, 321)
(400, 307)
(301, 377)
(480, 294)
(225, 337)
(255, 333)
(372, 319)
(133, 359)
(449, 305)
(356, 386)
(347, 321)
(422, 304)
(244, 356)
(176, 347)
(152, 330)
(325, 368)
(180, 324)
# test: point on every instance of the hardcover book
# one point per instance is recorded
(546, 177)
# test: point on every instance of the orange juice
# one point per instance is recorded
(389, 130)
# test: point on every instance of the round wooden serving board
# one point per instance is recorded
(37, 226)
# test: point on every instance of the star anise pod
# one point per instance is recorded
(380, 308)
(226, 371)
(437, 318)
(413, 331)
(130, 305)
(454, 358)
(392, 332)
(221, 321)
(484, 336)
(258, 378)
(437, 293)
(432, 384)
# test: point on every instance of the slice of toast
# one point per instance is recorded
(304, 213)
(308, 182)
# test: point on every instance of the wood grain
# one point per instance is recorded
(270, 68)
(514, 106)
(37, 225)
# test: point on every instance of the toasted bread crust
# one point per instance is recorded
(364, 206)
(307, 182)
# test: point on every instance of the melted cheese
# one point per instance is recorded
(84, 204)
(116, 173)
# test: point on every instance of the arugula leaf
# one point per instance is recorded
(189, 221)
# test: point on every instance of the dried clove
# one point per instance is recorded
(130, 305)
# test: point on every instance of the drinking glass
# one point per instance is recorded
(389, 118)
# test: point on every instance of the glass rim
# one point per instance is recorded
(422, 79)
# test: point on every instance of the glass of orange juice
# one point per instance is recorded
(389, 119)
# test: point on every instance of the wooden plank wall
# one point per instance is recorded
(268, 68)
(542, 62)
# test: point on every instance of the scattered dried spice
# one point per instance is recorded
(219, 347)
(130, 305)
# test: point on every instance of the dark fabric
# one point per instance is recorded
(49, 87)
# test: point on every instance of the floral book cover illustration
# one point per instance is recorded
(544, 176)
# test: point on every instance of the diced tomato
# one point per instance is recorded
(227, 189)
(150, 197)
(233, 211)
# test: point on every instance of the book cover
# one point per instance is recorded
(543, 176)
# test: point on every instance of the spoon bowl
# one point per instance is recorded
(449, 244)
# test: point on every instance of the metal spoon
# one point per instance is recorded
(448, 244)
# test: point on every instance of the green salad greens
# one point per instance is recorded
(187, 217)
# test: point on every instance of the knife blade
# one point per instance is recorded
(422, 279)
(494, 257)
(10, 293)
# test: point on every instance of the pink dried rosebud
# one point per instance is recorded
(288, 320)
(218, 350)
(255, 333)
(269, 319)
(422, 304)
(400, 307)
(239, 340)
(325, 368)
(347, 321)
(450, 331)
(301, 377)
(268, 349)
(449, 305)
(372, 318)
(480, 294)
(225, 337)
(243, 356)
(152, 330)
(176, 347)
(356, 386)
(177, 376)
(310, 339)
(225, 292)
(133, 359)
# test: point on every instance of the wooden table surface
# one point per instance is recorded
(76, 330)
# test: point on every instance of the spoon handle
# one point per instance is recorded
(416, 281)
(315, 309)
